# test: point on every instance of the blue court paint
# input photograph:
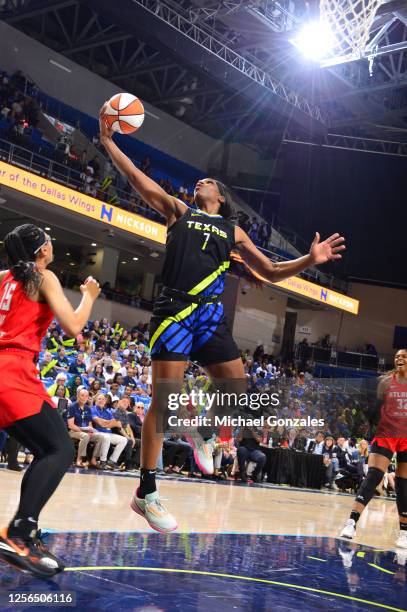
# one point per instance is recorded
(165, 578)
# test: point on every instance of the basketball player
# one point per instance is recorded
(188, 320)
(391, 437)
(30, 297)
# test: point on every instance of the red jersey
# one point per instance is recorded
(393, 419)
(23, 322)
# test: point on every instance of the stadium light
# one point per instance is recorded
(315, 40)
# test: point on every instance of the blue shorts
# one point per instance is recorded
(180, 331)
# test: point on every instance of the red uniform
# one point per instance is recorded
(392, 428)
(23, 324)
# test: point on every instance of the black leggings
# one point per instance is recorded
(46, 436)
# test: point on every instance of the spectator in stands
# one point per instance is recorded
(80, 428)
(175, 453)
(58, 393)
(370, 349)
(121, 414)
(74, 383)
(136, 418)
(328, 452)
(96, 165)
(94, 388)
(249, 439)
(47, 364)
(54, 341)
(103, 421)
(326, 342)
(78, 367)
(316, 445)
(60, 379)
(258, 353)
(62, 364)
(130, 379)
(143, 387)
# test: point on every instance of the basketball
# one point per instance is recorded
(124, 113)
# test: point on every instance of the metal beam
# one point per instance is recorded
(159, 11)
(149, 68)
(96, 42)
(38, 10)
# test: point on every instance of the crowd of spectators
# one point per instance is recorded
(101, 384)
(18, 112)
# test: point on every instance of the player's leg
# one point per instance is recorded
(378, 463)
(167, 377)
(227, 377)
(401, 493)
(46, 436)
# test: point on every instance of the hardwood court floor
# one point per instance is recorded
(100, 502)
(238, 548)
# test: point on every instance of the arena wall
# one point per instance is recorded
(381, 309)
(259, 318)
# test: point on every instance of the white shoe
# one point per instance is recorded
(155, 513)
(401, 557)
(203, 452)
(401, 541)
(349, 531)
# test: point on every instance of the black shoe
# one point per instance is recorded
(15, 467)
(40, 546)
(244, 478)
(105, 465)
(25, 556)
(113, 466)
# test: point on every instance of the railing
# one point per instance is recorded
(65, 175)
(62, 173)
(341, 357)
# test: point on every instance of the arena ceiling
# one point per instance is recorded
(228, 67)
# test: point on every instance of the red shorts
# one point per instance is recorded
(392, 445)
(21, 391)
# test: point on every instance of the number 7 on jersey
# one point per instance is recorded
(207, 234)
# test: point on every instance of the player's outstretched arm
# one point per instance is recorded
(171, 208)
(72, 321)
(320, 252)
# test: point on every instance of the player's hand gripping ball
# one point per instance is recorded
(124, 113)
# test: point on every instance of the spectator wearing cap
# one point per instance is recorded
(60, 379)
(108, 372)
(104, 422)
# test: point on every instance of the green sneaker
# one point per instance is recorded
(155, 513)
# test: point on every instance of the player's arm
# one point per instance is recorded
(72, 321)
(171, 208)
(320, 252)
(375, 406)
(72, 426)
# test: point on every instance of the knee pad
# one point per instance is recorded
(369, 485)
(401, 492)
